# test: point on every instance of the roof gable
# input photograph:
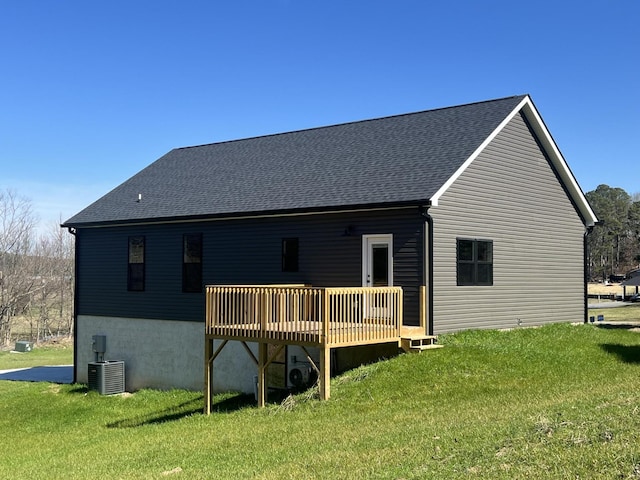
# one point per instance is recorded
(543, 135)
(405, 159)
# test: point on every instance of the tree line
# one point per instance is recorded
(36, 274)
(613, 245)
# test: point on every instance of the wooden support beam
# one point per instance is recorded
(269, 360)
(325, 352)
(208, 371)
(275, 354)
(246, 347)
(262, 374)
(310, 360)
(209, 357)
(264, 360)
(218, 350)
(325, 372)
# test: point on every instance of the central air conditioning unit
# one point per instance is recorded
(107, 377)
(300, 372)
(24, 346)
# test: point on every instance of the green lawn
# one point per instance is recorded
(50, 355)
(556, 402)
(630, 313)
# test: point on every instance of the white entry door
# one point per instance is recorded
(377, 260)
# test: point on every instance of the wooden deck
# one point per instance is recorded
(323, 318)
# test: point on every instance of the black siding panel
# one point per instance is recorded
(245, 251)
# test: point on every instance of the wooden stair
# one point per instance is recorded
(413, 340)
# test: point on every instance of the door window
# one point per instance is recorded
(377, 261)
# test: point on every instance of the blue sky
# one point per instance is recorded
(92, 92)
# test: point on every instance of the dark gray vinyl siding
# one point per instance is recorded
(511, 195)
(246, 251)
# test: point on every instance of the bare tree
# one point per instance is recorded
(51, 311)
(17, 279)
(64, 252)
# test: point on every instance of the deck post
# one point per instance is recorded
(208, 372)
(262, 373)
(325, 350)
(325, 372)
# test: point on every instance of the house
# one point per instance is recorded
(632, 280)
(472, 210)
(633, 273)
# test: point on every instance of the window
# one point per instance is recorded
(135, 274)
(289, 254)
(475, 262)
(192, 263)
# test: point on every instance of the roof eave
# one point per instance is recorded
(252, 214)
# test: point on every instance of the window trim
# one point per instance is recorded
(290, 255)
(188, 284)
(131, 285)
(474, 262)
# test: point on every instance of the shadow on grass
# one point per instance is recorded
(626, 353)
(186, 409)
(79, 388)
(619, 325)
(231, 404)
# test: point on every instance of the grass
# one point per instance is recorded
(560, 401)
(602, 289)
(60, 354)
(629, 313)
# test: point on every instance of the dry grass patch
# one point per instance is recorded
(602, 289)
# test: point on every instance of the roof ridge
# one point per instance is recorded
(254, 175)
(310, 129)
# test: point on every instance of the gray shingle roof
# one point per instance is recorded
(402, 159)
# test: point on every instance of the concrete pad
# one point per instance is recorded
(49, 373)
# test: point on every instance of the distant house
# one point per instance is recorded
(632, 280)
(471, 209)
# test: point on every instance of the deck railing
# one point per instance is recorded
(304, 315)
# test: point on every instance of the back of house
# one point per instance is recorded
(472, 210)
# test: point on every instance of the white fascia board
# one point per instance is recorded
(550, 147)
(560, 164)
(474, 155)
